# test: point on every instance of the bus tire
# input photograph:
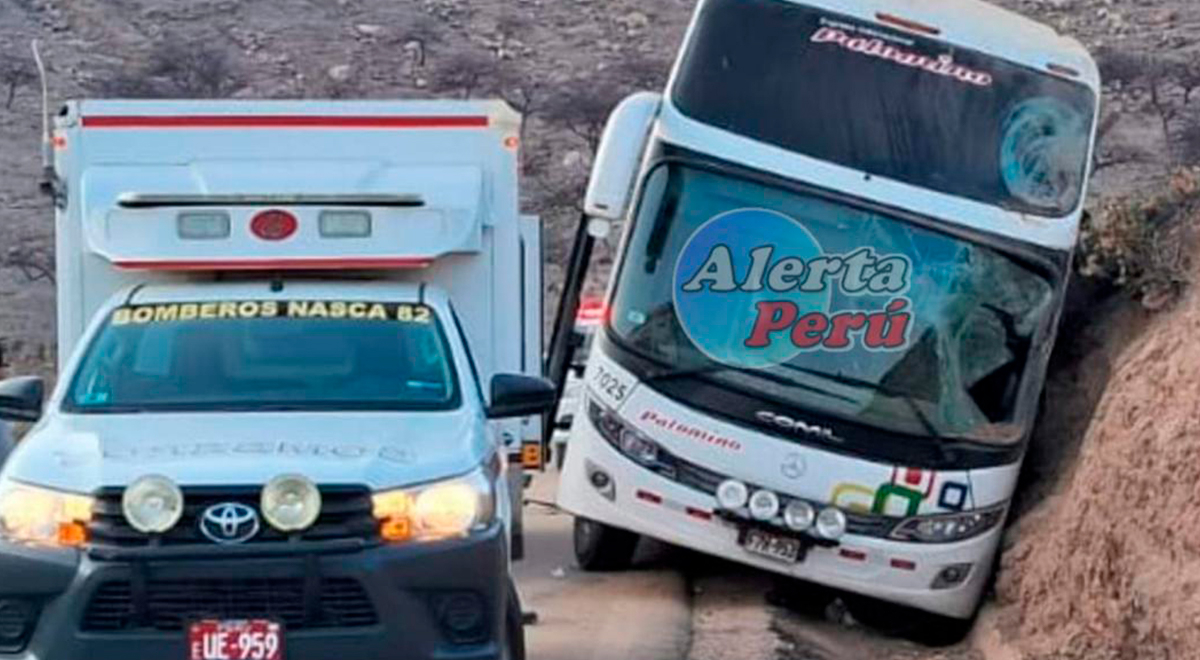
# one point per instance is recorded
(560, 455)
(600, 547)
(514, 625)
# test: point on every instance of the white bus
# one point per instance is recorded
(849, 226)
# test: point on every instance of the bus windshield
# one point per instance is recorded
(890, 104)
(819, 305)
(265, 356)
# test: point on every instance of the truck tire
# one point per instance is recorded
(600, 547)
(514, 626)
(516, 491)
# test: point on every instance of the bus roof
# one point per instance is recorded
(978, 25)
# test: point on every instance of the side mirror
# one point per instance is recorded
(21, 399)
(619, 157)
(520, 396)
(564, 422)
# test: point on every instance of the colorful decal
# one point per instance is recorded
(253, 309)
(902, 496)
(872, 43)
(753, 288)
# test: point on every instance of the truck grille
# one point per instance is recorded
(346, 513)
(173, 604)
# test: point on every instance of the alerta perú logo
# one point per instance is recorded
(754, 288)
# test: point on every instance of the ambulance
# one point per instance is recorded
(298, 342)
(848, 231)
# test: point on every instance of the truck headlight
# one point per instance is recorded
(152, 504)
(446, 509)
(949, 528)
(30, 514)
(291, 503)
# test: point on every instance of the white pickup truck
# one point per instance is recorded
(298, 343)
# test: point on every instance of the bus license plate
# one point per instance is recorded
(235, 640)
(764, 544)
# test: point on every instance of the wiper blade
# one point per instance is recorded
(907, 398)
(756, 373)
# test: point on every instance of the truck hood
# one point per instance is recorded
(83, 453)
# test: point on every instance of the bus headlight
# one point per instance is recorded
(949, 528)
(152, 504)
(29, 514)
(626, 439)
(291, 503)
(447, 509)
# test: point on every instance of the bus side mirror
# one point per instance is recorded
(619, 157)
(520, 396)
(21, 399)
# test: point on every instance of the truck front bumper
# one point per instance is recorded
(341, 602)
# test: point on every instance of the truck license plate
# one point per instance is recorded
(235, 640)
(779, 548)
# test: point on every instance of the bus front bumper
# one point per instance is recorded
(908, 574)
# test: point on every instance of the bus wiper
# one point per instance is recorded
(919, 414)
(758, 373)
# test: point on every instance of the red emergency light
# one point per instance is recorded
(274, 225)
(591, 312)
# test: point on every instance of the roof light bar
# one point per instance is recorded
(907, 24)
(345, 224)
(150, 201)
(203, 225)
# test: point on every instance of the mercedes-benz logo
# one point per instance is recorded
(229, 523)
(794, 466)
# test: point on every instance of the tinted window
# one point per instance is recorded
(250, 355)
(890, 104)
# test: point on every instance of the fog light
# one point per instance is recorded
(831, 523)
(291, 503)
(799, 516)
(951, 576)
(601, 481)
(764, 505)
(16, 623)
(152, 504)
(345, 224)
(732, 494)
(203, 225)
(463, 617)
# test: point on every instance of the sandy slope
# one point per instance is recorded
(1110, 567)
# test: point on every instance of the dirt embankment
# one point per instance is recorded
(1108, 566)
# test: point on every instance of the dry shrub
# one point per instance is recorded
(1141, 243)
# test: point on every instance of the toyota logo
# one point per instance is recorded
(229, 523)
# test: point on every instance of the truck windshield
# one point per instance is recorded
(888, 103)
(265, 356)
(822, 306)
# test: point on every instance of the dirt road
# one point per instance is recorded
(643, 614)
